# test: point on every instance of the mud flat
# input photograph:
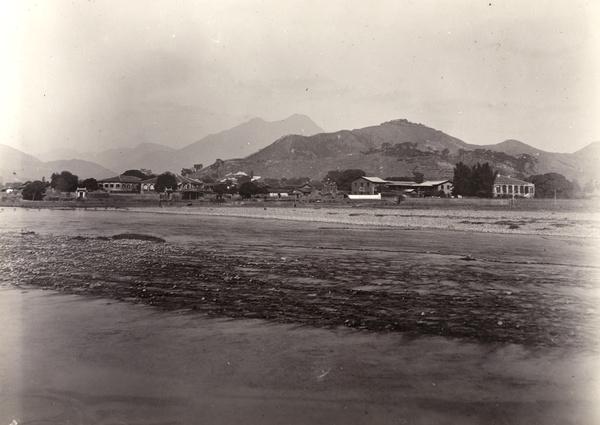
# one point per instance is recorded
(555, 223)
(239, 320)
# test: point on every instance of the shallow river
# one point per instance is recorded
(79, 360)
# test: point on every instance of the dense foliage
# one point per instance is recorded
(473, 181)
(34, 191)
(343, 179)
(90, 184)
(65, 181)
(552, 185)
(522, 163)
(249, 189)
(135, 173)
(165, 181)
(224, 188)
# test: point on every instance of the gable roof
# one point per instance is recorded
(121, 179)
(430, 183)
(374, 180)
(186, 180)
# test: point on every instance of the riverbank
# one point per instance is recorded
(549, 223)
(251, 320)
(69, 359)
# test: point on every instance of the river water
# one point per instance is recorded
(77, 360)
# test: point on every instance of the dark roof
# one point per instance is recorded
(186, 180)
(121, 179)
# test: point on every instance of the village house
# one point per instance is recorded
(329, 189)
(506, 186)
(444, 186)
(120, 184)
(190, 189)
(374, 185)
(368, 185)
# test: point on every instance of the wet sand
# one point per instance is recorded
(69, 359)
(92, 359)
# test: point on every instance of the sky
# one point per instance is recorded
(92, 75)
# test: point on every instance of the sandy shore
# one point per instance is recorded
(550, 223)
(68, 359)
(257, 321)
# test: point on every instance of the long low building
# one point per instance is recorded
(373, 185)
(506, 186)
(121, 183)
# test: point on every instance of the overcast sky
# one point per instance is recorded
(93, 75)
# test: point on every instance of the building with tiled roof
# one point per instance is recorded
(373, 185)
(121, 183)
(506, 186)
(367, 185)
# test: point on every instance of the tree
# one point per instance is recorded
(34, 191)
(482, 182)
(164, 182)
(418, 177)
(476, 181)
(462, 180)
(187, 171)
(136, 173)
(552, 185)
(223, 188)
(343, 179)
(248, 189)
(90, 184)
(65, 181)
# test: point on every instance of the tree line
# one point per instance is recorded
(476, 181)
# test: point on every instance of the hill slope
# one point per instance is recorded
(16, 166)
(237, 142)
(399, 148)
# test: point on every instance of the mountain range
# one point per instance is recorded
(399, 148)
(16, 166)
(297, 147)
(237, 142)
